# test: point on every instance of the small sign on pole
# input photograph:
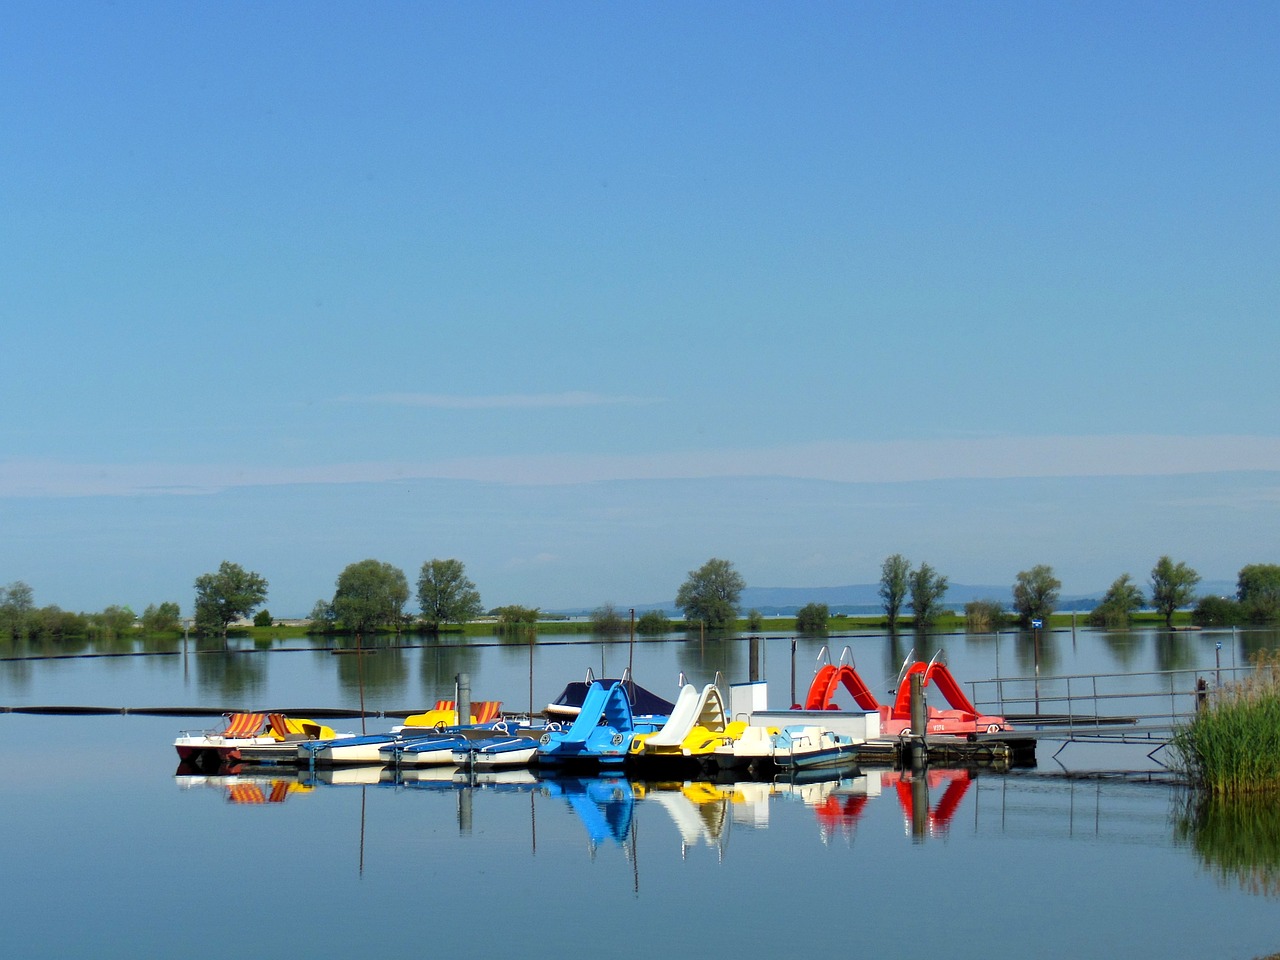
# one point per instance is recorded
(1037, 623)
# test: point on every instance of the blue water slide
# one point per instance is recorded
(601, 732)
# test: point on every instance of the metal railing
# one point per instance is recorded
(1111, 706)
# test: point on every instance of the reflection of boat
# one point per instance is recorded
(913, 795)
(601, 734)
(700, 812)
(806, 747)
(248, 787)
(841, 809)
(961, 720)
(357, 775)
(604, 805)
(261, 737)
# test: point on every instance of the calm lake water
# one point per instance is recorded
(109, 853)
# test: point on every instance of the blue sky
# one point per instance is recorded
(584, 294)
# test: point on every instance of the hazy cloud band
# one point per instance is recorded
(839, 461)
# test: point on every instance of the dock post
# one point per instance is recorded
(464, 697)
(793, 669)
(754, 658)
(919, 722)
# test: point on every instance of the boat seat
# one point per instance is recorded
(484, 711)
(241, 726)
(286, 730)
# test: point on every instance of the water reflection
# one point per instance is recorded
(230, 676)
(702, 812)
(383, 671)
(1239, 840)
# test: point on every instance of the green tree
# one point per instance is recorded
(1258, 590)
(1035, 593)
(17, 605)
(322, 617)
(607, 621)
(812, 618)
(1214, 611)
(983, 615)
(895, 577)
(513, 618)
(755, 620)
(160, 619)
(446, 594)
(1119, 603)
(711, 594)
(115, 621)
(263, 618)
(927, 588)
(653, 623)
(227, 595)
(370, 594)
(1173, 585)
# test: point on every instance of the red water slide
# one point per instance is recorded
(829, 679)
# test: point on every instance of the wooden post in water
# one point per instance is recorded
(753, 657)
(464, 698)
(631, 646)
(793, 670)
(919, 722)
(360, 679)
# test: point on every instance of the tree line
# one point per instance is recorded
(370, 595)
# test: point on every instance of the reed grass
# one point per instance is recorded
(1232, 747)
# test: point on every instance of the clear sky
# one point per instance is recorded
(583, 294)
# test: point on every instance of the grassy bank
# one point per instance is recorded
(1232, 747)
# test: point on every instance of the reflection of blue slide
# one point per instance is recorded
(601, 734)
(604, 806)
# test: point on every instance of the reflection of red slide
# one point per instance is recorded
(962, 719)
(941, 813)
(838, 812)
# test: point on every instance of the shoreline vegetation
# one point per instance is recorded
(491, 628)
(1231, 749)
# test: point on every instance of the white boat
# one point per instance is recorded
(804, 747)
(430, 751)
(256, 737)
(753, 745)
(496, 753)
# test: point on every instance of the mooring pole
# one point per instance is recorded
(360, 679)
(464, 698)
(753, 646)
(631, 647)
(919, 724)
(793, 669)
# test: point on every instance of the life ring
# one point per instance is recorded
(993, 728)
